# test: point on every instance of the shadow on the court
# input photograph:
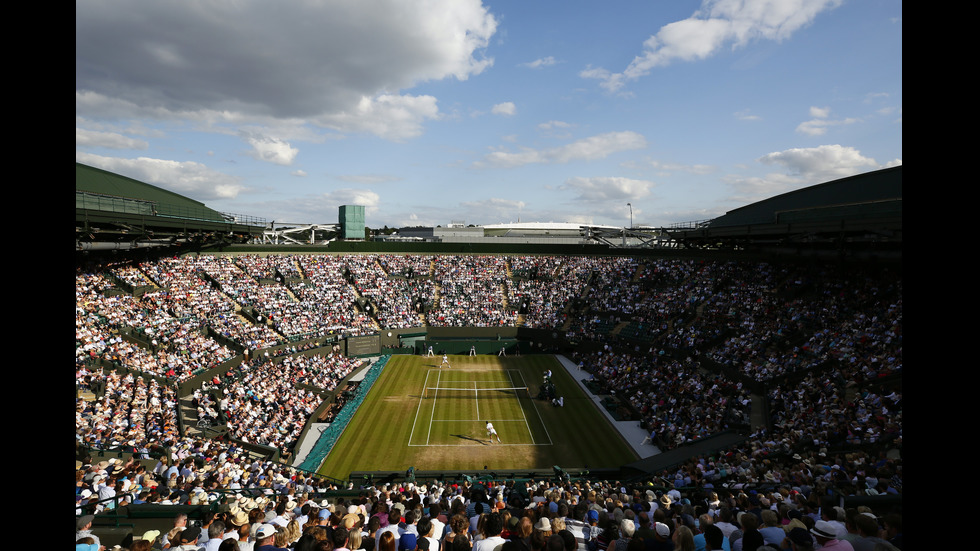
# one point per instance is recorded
(465, 437)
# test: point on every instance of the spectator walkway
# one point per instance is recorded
(630, 430)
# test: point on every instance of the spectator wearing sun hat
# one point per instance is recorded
(661, 538)
(265, 538)
(543, 525)
(826, 536)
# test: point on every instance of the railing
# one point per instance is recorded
(691, 225)
(124, 205)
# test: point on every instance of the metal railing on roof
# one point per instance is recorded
(125, 205)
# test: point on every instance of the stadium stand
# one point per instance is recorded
(201, 365)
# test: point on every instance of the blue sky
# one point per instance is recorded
(433, 111)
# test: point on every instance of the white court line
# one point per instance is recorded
(419, 409)
(479, 420)
(467, 445)
(433, 420)
(526, 424)
(434, 398)
(545, 427)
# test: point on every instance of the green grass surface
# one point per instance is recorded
(399, 425)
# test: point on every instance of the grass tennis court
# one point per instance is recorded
(434, 418)
(458, 403)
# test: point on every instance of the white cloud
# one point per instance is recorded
(506, 108)
(875, 96)
(665, 167)
(493, 209)
(716, 25)
(820, 112)
(541, 62)
(349, 196)
(111, 140)
(823, 163)
(601, 189)
(801, 167)
(556, 129)
(270, 149)
(817, 126)
(553, 124)
(388, 116)
(755, 188)
(586, 149)
(252, 60)
(194, 180)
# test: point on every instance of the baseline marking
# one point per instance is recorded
(432, 418)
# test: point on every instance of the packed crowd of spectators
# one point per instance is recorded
(679, 404)
(818, 338)
(332, 296)
(263, 404)
(548, 286)
(472, 293)
(400, 300)
(174, 347)
(280, 508)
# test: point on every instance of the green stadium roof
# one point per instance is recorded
(97, 181)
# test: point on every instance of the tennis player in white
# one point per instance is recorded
(445, 361)
(491, 432)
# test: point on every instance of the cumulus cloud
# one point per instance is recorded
(820, 112)
(318, 61)
(602, 189)
(506, 108)
(556, 129)
(801, 167)
(350, 196)
(586, 149)
(823, 163)
(110, 140)
(541, 62)
(493, 209)
(270, 149)
(716, 25)
(817, 126)
(554, 124)
(192, 179)
(388, 116)
(667, 167)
